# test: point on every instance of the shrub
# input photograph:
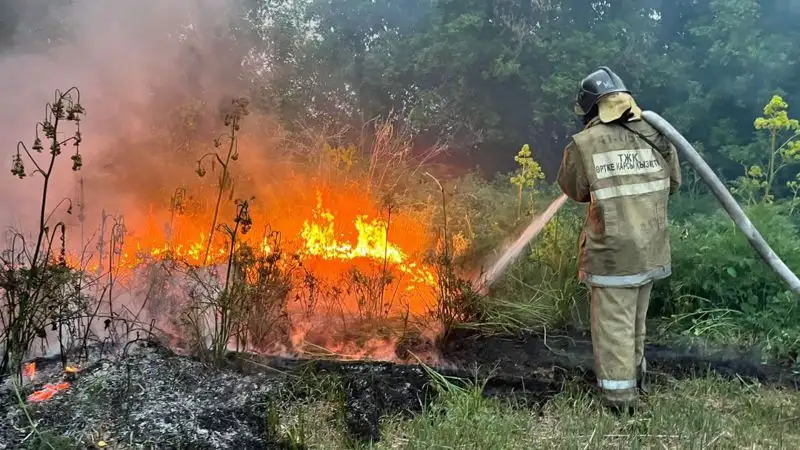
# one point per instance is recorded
(37, 289)
(713, 260)
(720, 287)
(247, 304)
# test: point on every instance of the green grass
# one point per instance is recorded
(704, 413)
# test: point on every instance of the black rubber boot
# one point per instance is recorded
(620, 403)
(621, 410)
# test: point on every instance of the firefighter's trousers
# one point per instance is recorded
(618, 332)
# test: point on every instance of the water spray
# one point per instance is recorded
(706, 174)
(512, 252)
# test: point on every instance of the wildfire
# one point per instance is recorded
(340, 240)
(320, 239)
(29, 370)
(50, 389)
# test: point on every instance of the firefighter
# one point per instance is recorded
(625, 170)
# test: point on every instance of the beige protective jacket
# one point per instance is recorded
(625, 240)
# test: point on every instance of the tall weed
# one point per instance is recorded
(712, 259)
(542, 288)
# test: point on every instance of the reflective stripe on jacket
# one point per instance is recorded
(627, 183)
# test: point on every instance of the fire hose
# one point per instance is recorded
(706, 174)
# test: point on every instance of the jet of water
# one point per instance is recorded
(512, 252)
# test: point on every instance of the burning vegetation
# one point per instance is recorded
(340, 251)
(333, 251)
(218, 231)
(212, 235)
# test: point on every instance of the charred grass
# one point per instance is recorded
(708, 412)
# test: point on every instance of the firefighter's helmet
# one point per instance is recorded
(599, 83)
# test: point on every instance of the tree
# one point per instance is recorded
(482, 75)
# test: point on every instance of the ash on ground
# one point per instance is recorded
(153, 398)
(150, 399)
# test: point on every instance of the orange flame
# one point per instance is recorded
(29, 370)
(317, 236)
(47, 392)
(320, 239)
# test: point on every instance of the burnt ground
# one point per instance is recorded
(156, 399)
(569, 353)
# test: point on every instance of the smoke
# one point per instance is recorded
(137, 65)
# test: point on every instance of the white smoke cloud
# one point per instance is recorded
(124, 56)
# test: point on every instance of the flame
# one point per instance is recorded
(50, 389)
(47, 392)
(372, 242)
(320, 238)
(29, 370)
(331, 234)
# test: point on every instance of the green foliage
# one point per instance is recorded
(529, 170)
(794, 187)
(463, 418)
(675, 415)
(541, 289)
(721, 288)
(749, 186)
(776, 118)
(714, 259)
(487, 76)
